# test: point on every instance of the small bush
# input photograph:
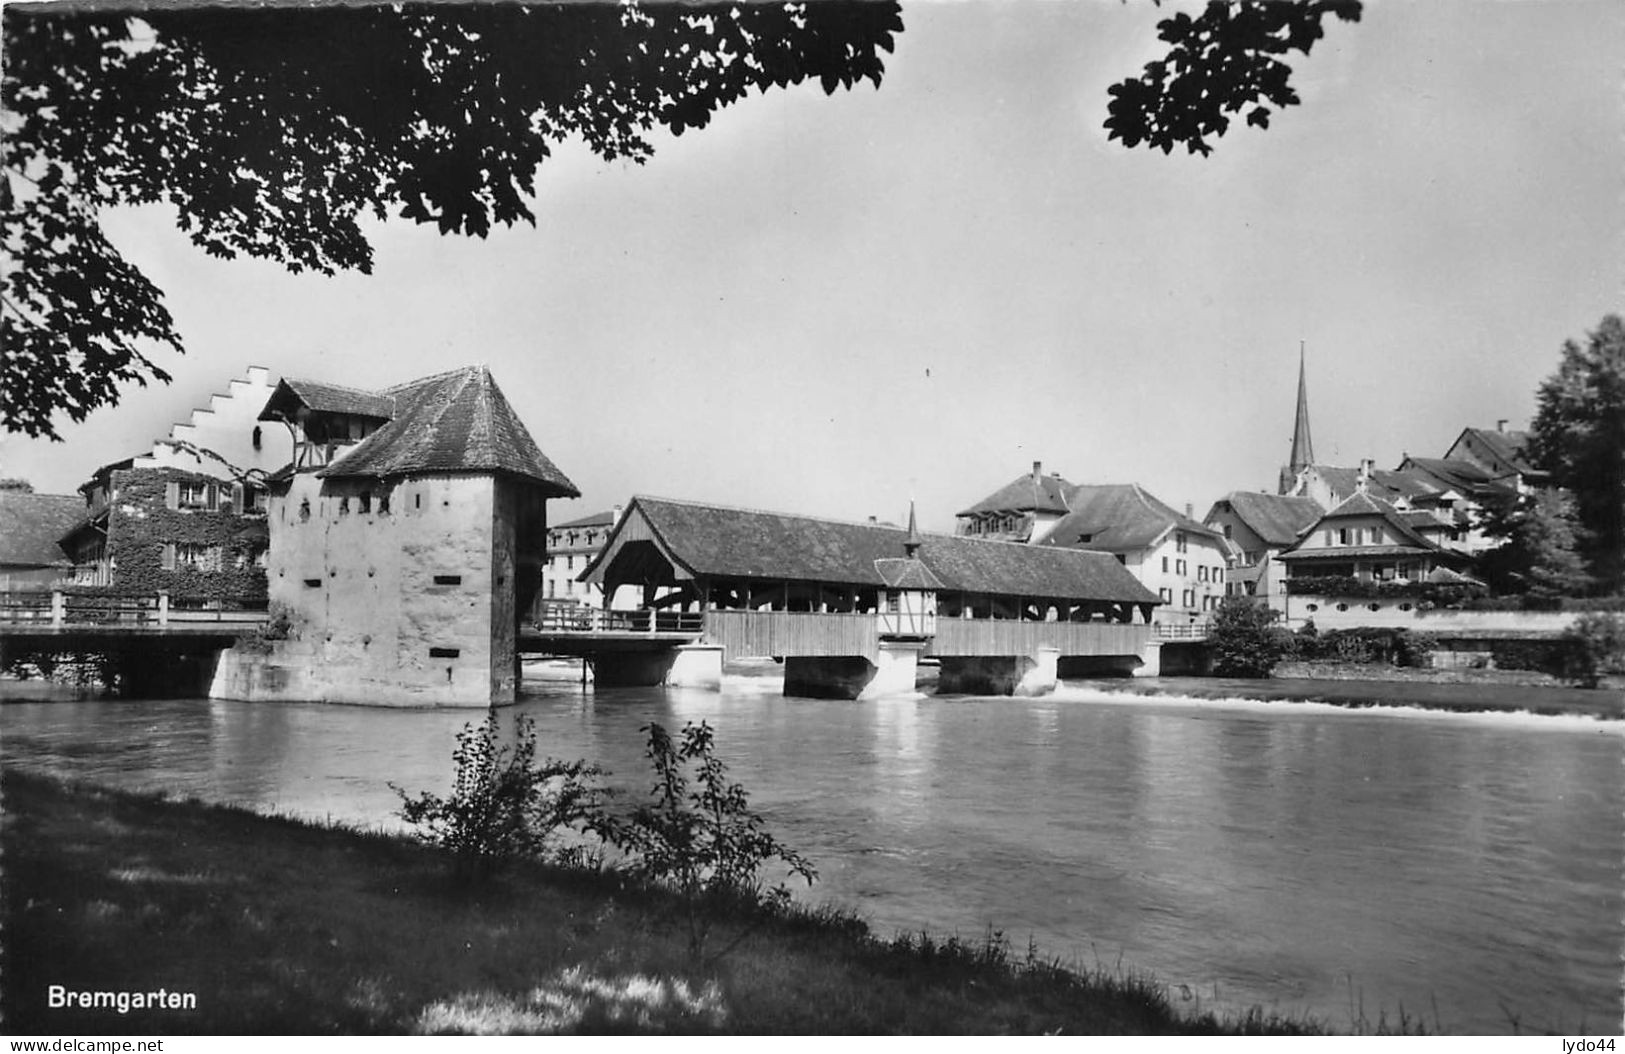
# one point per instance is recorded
(1244, 640)
(1595, 647)
(503, 806)
(701, 839)
(278, 625)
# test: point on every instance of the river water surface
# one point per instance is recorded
(1306, 858)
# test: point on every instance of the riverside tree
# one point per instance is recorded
(1578, 436)
(272, 131)
(1539, 551)
(1244, 639)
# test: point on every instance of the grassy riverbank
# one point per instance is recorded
(280, 927)
(1427, 694)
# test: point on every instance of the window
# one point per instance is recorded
(1227, 530)
(1165, 565)
(1342, 536)
(1187, 599)
(1166, 594)
(1201, 573)
(448, 580)
(569, 563)
(304, 510)
(1179, 541)
(1179, 566)
(383, 503)
(364, 503)
(552, 589)
(344, 505)
(193, 495)
(195, 556)
(255, 439)
(444, 653)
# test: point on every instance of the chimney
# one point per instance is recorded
(1189, 511)
(1038, 471)
(1501, 425)
(615, 515)
(874, 519)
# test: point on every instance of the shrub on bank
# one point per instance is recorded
(1243, 638)
(697, 837)
(1362, 644)
(1595, 647)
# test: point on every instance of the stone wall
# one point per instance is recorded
(392, 593)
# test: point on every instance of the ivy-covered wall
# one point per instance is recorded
(140, 523)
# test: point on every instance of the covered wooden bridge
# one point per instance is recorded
(851, 607)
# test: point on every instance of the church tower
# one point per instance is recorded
(1303, 451)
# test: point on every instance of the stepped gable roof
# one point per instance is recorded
(1118, 516)
(597, 519)
(293, 392)
(720, 542)
(456, 421)
(1025, 494)
(30, 525)
(1277, 519)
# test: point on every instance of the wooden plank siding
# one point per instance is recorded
(754, 634)
(751, 634)
(1022, 637)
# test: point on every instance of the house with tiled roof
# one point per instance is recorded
(406, 542)
(1171, 554)
(30, 527)
(1256, 527)
(1501, 453)
(1365, 553)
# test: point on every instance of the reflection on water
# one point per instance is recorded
(1301, 857)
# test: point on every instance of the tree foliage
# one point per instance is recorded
(1227, 59)
(1578, 436)
(1243, 638)
(1538, 554)
(274, 131)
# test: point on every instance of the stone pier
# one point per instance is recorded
(853, 676)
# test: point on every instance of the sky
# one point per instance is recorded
(834, 305)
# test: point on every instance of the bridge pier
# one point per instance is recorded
(852, 676)
(634, 669)
(696, 666)
(1024, 675)
(1150, 660)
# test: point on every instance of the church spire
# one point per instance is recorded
(1303, 450)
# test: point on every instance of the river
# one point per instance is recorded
(1346, 864)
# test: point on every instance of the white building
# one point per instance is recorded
(1171, 554)
(406, 539)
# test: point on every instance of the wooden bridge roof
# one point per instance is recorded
(712, 541)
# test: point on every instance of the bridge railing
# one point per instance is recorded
(1181, 631)
(560, 618)
(58, 609)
